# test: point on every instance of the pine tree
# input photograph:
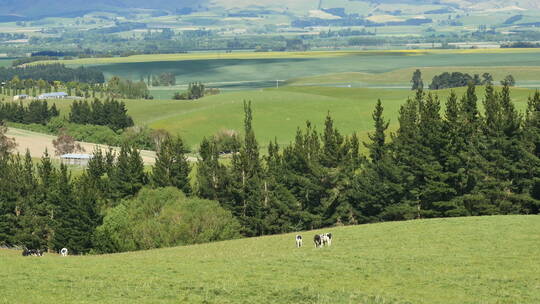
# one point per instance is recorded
(417, 83)
(378, 186)
(281, 209)
(377, 146)
(247, 180)
(212, 176)
(127, 176)
(172, 167)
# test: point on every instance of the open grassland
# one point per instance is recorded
(458, 260)
(278, 112)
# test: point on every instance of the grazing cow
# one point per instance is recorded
(324, 239)
(32, 252)
(298, 241)
(64, 252)
(329, 239)
(317, 239)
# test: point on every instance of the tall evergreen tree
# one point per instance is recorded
(416, 81)
(377, 146)
(172, 167)
(247, 180)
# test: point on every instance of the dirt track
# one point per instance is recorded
(36, 143)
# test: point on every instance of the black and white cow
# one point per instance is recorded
(328, 239)
(298, 239)
(64, 252)
(32, 252)
(317, 239)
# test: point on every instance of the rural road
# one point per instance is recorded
(36, 143)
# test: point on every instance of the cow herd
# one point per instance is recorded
(38, 252)
(320, 240)
(32, 252)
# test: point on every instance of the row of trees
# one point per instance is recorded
(115, 87)
(53, 72)
(164, 79)
(456, 163)
(36, 111)
(195, 90)
(125, 88)
(111, 113)
(457, 79)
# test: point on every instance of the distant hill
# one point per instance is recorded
(44, 8)
(32, 9)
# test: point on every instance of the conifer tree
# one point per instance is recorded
(377, 146)
(172, 167)
(127, 176)
(213, 180)
(417, 83)
(247, 180)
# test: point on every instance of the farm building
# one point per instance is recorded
(76, 159)
(53, 95)
(20, 97)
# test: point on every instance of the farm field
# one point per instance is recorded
(252, 70)
(423, 261)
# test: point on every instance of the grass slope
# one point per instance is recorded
(458, 260)
(525, 75)
(278, 112)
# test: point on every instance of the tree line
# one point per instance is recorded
(36, 112)
(448, 80)
(438, 163)
(116, 87)
(110, 113)
(53, 72)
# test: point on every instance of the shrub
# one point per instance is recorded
(228, 141)
(163, 217)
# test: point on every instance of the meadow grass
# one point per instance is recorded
(456, 260)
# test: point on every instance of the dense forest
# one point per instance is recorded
(53, 72)
(439, 163)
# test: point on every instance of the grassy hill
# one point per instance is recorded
(278, 112)
(457, 260)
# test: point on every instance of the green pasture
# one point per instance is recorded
(277, 113)
(455, 260)
(524, 75)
